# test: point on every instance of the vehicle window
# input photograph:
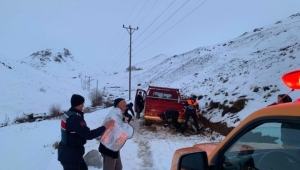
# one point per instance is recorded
(167, 95)
(158, 94)
(162, 95)
(268, 146)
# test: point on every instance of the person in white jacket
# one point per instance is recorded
(115, 137)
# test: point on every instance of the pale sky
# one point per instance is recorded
(93, 30)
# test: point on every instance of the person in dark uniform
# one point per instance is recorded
(74, 133)
(139, 104)
(126, 114)
(171, 114)
(191, 108)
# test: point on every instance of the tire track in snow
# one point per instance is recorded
(144, 148)
(146, 154)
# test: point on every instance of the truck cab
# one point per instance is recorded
(267, 139)
(158, 99)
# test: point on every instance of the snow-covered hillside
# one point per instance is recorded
(248, 67)
(50, 60)
(32, 84)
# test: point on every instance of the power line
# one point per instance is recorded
(148, 12)
(115, 55)
(113, 44)
(140, 11)
(162, 23)
(132, 11)
(155, 20)
(124, 35)
(120, 31)
(121, 62)
(118, 45)
(119, 59)
(173, 26)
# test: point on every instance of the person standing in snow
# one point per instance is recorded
(139, 104)
(74, 133)
(191, 108)
(171, 114)
(114, 139)
(126, 114)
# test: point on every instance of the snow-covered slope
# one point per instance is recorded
(57, 62)
(249, 66)
(254, 61)
(33, 84)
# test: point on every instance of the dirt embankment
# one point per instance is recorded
(219, 127)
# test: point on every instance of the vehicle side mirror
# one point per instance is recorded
(193, 161)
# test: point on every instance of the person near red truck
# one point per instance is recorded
(74, 133)
(139, 104)
(171, 114)
(191, 108)
(128, 117)
(114, 138)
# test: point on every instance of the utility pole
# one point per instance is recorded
(89, 83)
(130, 31)
(85, 82)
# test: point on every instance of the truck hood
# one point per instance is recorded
(207, 147)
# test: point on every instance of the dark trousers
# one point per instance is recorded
(129, 116)
(175, 122)
(187, 117)
(140, 108)
(111, 163)
(75, 166)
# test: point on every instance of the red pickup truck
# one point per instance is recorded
(158, 99)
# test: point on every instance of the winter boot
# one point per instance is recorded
(178, 129)
(138, 115)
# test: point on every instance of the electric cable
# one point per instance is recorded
(117, 64)
(148, 12)
(108, 54)
(155, 20)
(119, 58)
(173, 26)
(162, 23)
(139, 11)
(131, 11)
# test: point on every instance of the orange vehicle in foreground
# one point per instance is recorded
(159, 99)
(267, 139)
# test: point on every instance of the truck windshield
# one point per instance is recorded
(270, 145)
